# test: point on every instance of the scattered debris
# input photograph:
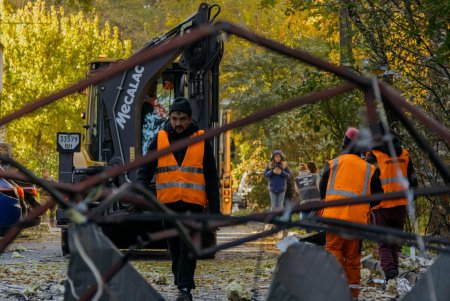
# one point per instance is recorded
(403, 286)
(367, 257)
(29, 234)
(391, 286)
(37, 275)
(365, 274)
(18, 248)
(51, 290)
(283, 244)
(161, 280)
(370, 293)
(32, 289)
(373, 283)
(378, 281)
(238, 292)
(17, 255)
(418, 264)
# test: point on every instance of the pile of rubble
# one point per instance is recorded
(374, 286)
(48, 290)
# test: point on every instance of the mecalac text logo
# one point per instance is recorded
(124, 113)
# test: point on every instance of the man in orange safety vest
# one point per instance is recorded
(186, 181)
(395, 171)
(344, 177)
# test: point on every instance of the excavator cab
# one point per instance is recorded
(155, 104)
(125, 112)
(94, 126)
(150, 113)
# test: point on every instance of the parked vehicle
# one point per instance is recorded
(17, 198)
(10, 210)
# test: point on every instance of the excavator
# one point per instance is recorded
(124, 114)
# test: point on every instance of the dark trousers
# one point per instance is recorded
(183, 262)
(394, 217)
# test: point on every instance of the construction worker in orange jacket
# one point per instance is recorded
(186, 181)
(395, 171)
(344, 177)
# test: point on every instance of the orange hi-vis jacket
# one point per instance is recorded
(185, 182)
(390, 180)
(349, 177)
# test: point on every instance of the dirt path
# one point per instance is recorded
(33, 268)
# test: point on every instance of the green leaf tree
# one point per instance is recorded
(406, 43)
(314, 132)
(46, 50)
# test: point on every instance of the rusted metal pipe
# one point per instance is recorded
(396, 106)
(215, 221)
(401, 105)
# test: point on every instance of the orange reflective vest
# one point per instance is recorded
(389, 177)
(349, 177)
(185, 182)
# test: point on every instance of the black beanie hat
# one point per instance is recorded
(181, 104)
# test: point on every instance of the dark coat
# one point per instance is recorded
(307, 184)
(277, 183)
(146, 172)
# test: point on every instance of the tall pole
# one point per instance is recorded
(227, 197)
(2, 128)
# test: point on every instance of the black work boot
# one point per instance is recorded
(184, 294)
(391, 274)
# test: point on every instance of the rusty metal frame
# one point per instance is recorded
(389, 97)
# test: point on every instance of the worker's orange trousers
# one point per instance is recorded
(348, 253)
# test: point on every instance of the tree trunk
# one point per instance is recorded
(345, 36)
(439, 218)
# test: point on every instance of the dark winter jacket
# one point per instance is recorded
(146, 172)
(277, 183)
(307, 184)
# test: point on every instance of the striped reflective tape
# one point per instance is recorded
(171, 168)
(191, 169)
(181, 185)
(342, 192)
(167, 168)
(334, 173)
(392, 180)
(367, 179)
